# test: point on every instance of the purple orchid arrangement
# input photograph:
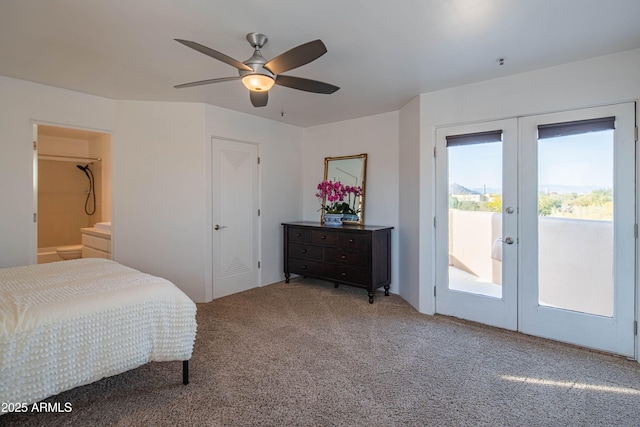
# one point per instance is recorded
(332, 197)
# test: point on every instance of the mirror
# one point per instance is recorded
(349, 171)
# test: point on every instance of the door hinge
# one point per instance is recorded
(434, 291)
(258, 212)
(258, 160)
(434, 222)
(434, 151)
(635, 327)
(635, 134)
(35, 145)
(258, 264)
(635, 231)
(35, 217)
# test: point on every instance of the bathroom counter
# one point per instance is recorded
(93, 231)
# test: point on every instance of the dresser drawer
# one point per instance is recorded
(297, 234)
(324, 238)
(305, 267)
(346, 256)
(347, 274)
(305, 251)
(354, 240)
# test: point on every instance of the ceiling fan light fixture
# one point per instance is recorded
(258, 82)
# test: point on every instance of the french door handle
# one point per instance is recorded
(508, 240)
(218, 227)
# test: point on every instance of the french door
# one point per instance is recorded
(477, 222)
(577, 219)
(547, 247)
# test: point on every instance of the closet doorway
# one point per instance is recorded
(72, 190)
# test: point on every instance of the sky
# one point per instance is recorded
(584, 160)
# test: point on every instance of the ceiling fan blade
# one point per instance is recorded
(206, 82)
(259, 99)
(296, 57)
(307, 85)
(215, 54)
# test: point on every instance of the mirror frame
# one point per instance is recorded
(363, 156)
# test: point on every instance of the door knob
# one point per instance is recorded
(508, 240)
(218, 227)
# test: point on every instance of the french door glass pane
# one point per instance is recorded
(575, 222)
(475, 219)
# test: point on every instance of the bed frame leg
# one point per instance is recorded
(185, 372)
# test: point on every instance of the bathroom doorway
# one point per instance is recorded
(72, 190)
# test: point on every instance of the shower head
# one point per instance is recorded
(91, 190)
(85, 169)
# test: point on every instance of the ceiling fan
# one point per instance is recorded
(259, 75)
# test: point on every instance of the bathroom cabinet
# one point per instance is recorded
(355, 255)
(95, 243)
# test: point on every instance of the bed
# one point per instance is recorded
(70, 323)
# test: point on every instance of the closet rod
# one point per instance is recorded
(68, 158)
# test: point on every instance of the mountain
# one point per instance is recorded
(459, 189)
(569, 189)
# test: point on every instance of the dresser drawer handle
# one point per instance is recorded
(351, 240)
(304, 251)
(343, 274)
(304, 267)
(343, 257)
(298, 234)
(323, 237)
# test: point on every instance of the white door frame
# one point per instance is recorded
(500, 312)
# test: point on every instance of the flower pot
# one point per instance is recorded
(332, 220)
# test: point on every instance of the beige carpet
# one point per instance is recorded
(306, 354)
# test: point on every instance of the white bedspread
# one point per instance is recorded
(70, 323)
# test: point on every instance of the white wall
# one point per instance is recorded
(22, 104)
(409, 199)
(603, 80)
(378, 136)
(158, 182)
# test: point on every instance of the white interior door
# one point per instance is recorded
(476, 222)
(235, 216)
(577, 216)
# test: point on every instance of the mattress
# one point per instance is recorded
(70, 323)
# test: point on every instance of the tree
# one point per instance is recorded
(547, 204)
(495, 204)
(453, 202)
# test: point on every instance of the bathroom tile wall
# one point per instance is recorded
(62, 192)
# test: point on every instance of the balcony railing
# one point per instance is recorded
(575, 259)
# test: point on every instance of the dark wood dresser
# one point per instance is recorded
(356, 255)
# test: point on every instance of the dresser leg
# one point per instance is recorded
(335, 285)
(386, 290)
(286, 277)
(370, 297)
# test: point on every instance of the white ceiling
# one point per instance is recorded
(381, 53)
